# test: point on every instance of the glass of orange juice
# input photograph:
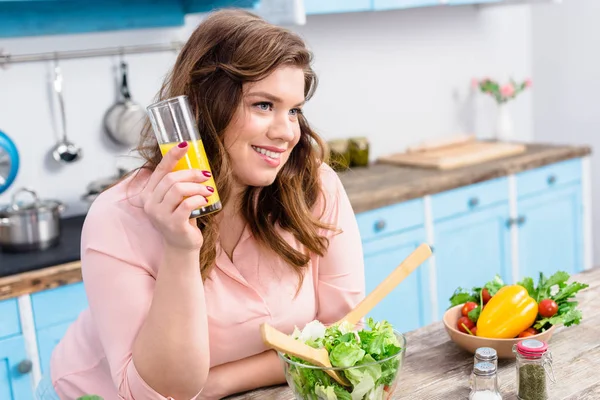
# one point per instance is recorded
(173, 123)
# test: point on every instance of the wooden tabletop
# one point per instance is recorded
(435, 368)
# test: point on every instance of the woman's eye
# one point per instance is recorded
(295, 111)
(264, 106)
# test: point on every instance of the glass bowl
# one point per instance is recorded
(312, 382)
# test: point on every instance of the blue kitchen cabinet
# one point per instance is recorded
(312, 7)
(58, 305)
(408, 306)
(381, 5)
(550, 219)
(389, 235)
(471, 237)
(15, 379)
(47, 339)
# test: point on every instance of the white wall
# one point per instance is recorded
(398, 77)
(566, 71)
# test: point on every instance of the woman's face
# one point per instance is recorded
(265, 128)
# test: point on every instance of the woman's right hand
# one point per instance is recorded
(169, 198)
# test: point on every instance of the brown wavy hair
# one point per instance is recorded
(231, 47)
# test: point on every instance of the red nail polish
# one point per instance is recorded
(210, 189)
(206, 173)
(182, 145)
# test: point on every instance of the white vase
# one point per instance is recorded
(504, 126)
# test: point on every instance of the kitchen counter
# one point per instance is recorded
(368, 188)
(436, 368)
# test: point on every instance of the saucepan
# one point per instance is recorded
(30, 226)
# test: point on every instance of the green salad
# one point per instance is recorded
(360, 349)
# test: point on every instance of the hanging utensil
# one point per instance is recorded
(123, 122)
(64, 151)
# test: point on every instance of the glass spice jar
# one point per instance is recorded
(534, 367)
(484, 354)
(485, 382)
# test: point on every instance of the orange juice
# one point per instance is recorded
(196, 158)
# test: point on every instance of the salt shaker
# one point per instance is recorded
(484, 354)
(534, 367)
(485, 382)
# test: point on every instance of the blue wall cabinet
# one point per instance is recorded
(312, 7)
(381, 5)
(407, 307)
(15, 380)
(47, 339)
(550, 232)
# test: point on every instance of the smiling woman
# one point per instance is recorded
(176, 303)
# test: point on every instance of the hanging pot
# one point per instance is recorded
(32, 226)
(124, 121)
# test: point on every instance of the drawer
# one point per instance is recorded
(549, 176)
(62, 304)
(10, 323)
(390, 219)
(469, 198)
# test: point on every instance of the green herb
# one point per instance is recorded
(348, 349)
(532, 382)
(90, 397)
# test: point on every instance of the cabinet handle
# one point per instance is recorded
(551, 180)
(25, 367)
(473, 202)
(516, 221)
(521, 220)
(379, 225)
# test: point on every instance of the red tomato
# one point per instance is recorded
(474, 331)
(468, 307)
(485, 295)
(547, 308)
(532, 330)
(466, 322)
(525, 334)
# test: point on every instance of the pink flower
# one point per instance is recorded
(507, 90)
(474, 83)
(528, 83)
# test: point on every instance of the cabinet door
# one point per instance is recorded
(470, 249)
(381, 5)
(15, 380)
(47, 339)
(408, 306)
(335, 6)
(550, 232)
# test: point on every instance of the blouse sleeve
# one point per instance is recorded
(119, 291)
(341, 280)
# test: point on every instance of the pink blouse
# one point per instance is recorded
(120, 253)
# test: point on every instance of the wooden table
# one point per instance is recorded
(435, 368)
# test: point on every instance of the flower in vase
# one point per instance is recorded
(501, 93)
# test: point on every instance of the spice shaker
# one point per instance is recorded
(486, 354)
(534, 366)
(485, 382)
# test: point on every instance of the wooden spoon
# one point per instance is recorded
(288, 345)
(406, 267)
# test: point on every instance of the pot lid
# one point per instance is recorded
(17, 207)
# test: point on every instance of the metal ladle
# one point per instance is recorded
(64, 151)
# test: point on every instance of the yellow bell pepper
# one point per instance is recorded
(509, 312)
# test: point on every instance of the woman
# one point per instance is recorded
(175, 304)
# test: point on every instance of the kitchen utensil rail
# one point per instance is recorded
(7, 59)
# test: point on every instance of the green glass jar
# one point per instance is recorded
(359, 151)
(339, 154)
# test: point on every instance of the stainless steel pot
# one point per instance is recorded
(30, 227)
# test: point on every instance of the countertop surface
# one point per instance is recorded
(369, 187)
(437, 369)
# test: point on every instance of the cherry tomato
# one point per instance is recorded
(468, 307)
(525, 334)
(547, 308)
(474, 331)
(485, 295)
(466, 322)
(532, 330)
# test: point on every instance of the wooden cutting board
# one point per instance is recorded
(451, 154)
